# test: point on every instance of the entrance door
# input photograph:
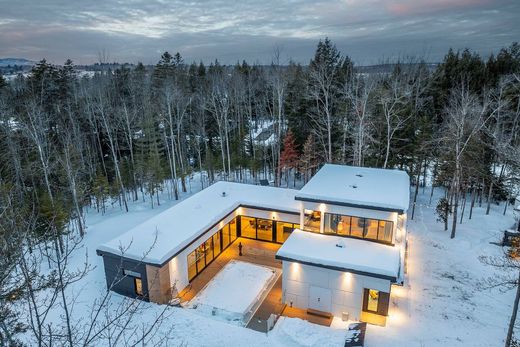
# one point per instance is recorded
(320, 299)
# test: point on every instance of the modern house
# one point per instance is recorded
(342, 236)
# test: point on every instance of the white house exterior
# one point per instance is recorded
(346, 250)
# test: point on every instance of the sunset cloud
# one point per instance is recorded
(230, 31)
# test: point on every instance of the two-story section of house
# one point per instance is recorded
(340, 240)
(351, 248)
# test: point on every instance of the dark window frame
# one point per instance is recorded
(274, 223)
(222, 249)
(380, 229)
(383, 302)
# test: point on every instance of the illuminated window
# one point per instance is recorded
(363, 228)
(385, 231)
(284, 230)
(264, 229)
(371, 229)
(312, 220)
(138, 286)
(248, 225)
(373, 300)
(358, 225)
(233, 229)
(192, 266)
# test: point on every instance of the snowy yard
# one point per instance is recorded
(234, 291)
(441, 305)
(444, 302)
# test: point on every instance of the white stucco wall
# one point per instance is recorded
(346, 289)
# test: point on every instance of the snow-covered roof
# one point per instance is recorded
(359, 187)
(358, 256)
(181, 224)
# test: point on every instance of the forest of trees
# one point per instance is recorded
(127, 134)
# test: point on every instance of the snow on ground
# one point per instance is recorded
(297, 332)
(233, 292)
(442, 303)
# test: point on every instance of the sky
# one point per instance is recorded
(369, 31)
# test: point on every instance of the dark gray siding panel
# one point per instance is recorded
(117, 281)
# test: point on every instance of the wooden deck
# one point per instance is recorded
(253, 251)
(256, 252)
(294, 312)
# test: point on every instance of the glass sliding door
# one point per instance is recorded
(208, 250)
(201, 259)
(264, 229)
(248, 225)
(225, 237)
(216, 243)
(284, 230)
(192, 265)
(312, 220)
(233, 230)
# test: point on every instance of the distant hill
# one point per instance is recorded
(15, 61)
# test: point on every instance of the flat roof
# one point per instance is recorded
(382, 189)
(174, 229)
(356, 256)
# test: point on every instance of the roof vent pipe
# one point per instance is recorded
(223, 194)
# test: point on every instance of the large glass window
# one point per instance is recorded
(216, 243)
(264, 229)
(358, 224)
(248, 226)
(201, 261)
(385, 231)
(312, 220)
(233, 229)
(192, 266)
(337, 224)
(208, 248)
(371, 227)
(284, 230)
(366, 228)
(225, 237)
(211, 248)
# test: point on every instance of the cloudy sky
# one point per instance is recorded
(139, 30)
